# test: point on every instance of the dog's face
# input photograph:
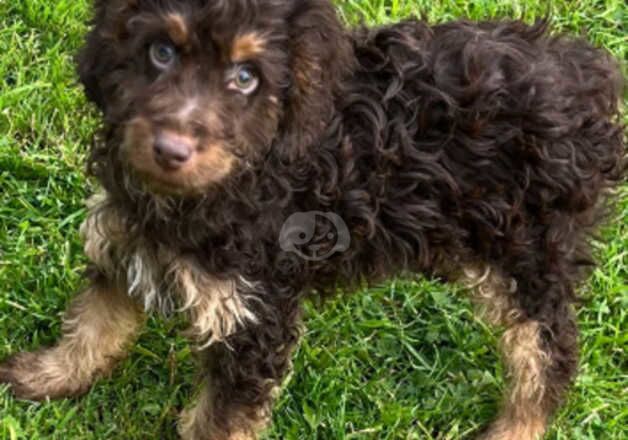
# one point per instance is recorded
(198, 89)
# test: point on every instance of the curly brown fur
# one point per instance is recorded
(478, 152)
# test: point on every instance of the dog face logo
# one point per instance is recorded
(314, 235)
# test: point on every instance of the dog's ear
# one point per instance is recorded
(90, 68)
(98, 55)
(321, 58)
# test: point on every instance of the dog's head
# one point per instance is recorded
(197, 89)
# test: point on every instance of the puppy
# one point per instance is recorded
(255, 153)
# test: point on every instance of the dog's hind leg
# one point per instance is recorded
(539, 348)
(241, 377)
(98, 326)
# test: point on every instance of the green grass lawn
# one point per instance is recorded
(405, 361)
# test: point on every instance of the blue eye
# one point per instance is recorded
(162, 55)
(244, 79)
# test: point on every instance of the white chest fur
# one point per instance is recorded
(163, 281)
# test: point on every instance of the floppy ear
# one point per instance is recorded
(89, 68)
(98, 55)
(321, 57)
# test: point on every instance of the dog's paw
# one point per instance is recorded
(37, 376)
(508, 430)
(25, 376)
(19, 372)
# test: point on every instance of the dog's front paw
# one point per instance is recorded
(20, 373)
(38, 376)
(507, 429)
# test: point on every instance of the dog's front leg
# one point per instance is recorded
(241, 371)
(98, 326)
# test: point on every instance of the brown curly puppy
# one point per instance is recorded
(255, 152)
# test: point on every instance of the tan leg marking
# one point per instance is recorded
(215, 307)
(97, 329)
(523, 416)
(101, 232)
(192, 419)
(493, 294)
(197, 423)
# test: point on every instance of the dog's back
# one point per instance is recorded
(507, 130)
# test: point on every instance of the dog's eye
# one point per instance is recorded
(244, 80)
(162, 55)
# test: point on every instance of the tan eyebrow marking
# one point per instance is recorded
(177, 29)
(246, 46)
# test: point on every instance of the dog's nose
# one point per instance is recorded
(173, 150)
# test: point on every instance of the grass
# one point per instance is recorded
(405, 361)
